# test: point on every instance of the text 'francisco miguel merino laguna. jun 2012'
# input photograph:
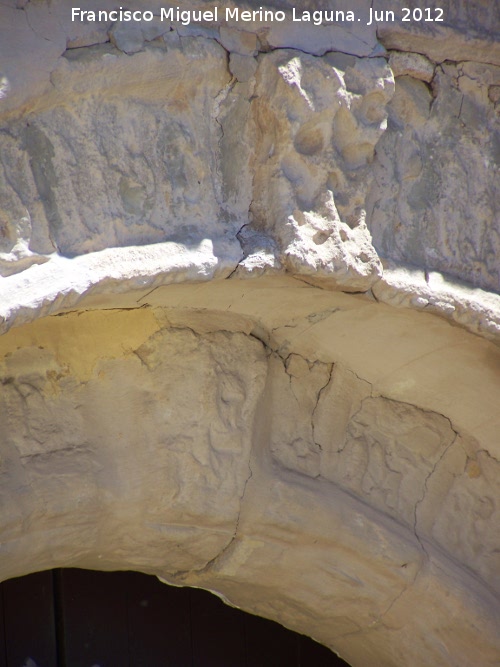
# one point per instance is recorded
(234, 14)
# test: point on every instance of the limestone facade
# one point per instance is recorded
(250, 314)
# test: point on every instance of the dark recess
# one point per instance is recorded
(82, 618)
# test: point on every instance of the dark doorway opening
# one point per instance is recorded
(82, 618)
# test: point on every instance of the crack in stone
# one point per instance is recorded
(143, 363)
(210, 564)
(488, 454)
(38, 456)
(218, 101)
(425, 487)
(284, 359)
(430, 474)
(322, 287)
(145, 296)
(31, 27)
(318, 397)
(238, 237)
(290, 376)
(360, 408)
(182, 573)
(398, 596)
(349, 634)
(235, 534)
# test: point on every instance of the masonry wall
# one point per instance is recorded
(250, 315)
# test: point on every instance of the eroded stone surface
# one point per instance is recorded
(156, 174)
(185, 442)
(318, 457)
(316, 123)
(435, 202)
(150, 165)
(209, 386)
(466, 31)
(430, 291)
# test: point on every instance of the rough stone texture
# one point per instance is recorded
(315, 126)
(156, 174)
(150, 163)
(411, 64)
(469, 30)
(192, 441)
(430, 291)
(207, 438)
(46, 28)
(435, 202)
(247, 338)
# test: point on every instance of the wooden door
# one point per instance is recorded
(81, 618)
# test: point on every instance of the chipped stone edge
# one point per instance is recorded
(62, 282)
(470, 307)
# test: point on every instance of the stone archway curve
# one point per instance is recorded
(300, 452)
(316, 437)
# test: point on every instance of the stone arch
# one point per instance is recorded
(230, 354)
(300, 452)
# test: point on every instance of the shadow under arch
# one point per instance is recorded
(77, 617)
